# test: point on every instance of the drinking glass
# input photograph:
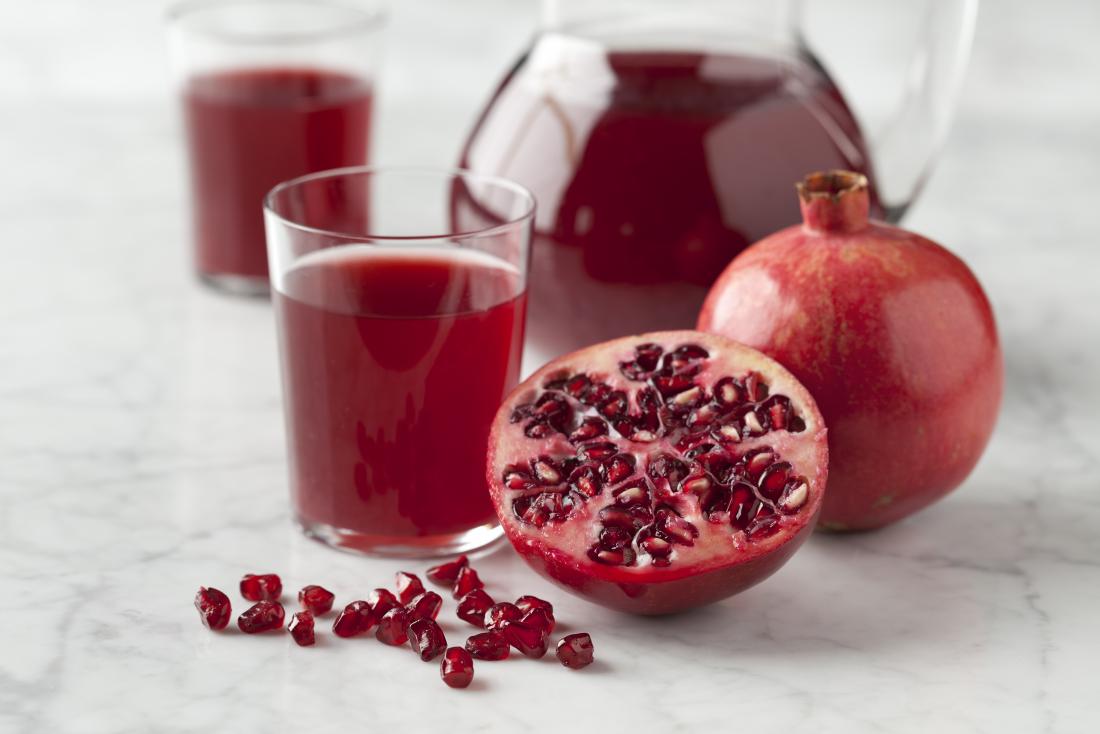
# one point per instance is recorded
(400, 299)
(270, 90)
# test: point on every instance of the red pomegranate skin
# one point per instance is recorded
(890, 332)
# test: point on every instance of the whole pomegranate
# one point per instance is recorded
(658, 472)
(892, 335)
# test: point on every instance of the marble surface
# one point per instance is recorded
(141, 445)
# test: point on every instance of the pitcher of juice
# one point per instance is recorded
(661, 138)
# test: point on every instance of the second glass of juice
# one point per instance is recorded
(400, 300)
(271, 89)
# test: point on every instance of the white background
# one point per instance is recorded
(141, 445)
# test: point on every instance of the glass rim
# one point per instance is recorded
(365, 18)
(528, 199)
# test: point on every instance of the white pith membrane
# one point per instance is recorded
(758, 482)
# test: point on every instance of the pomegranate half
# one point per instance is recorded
(890, 332)
(659, 472)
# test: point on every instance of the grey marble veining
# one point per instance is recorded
(141, 445)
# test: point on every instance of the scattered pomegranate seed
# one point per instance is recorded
(528, 604)
(426, 638)
(445, 573)
(457, 668)
(540, 619)
(498, 614)
(301, 628)
(488, 646)
(575, 651)
(427, 605)
(263, 616)
(357, 618)
(315, 599)
(531, 641)
(473, 606)
(262, 587)
(466, 581)
(382, 600)
(391, 628)
(409, 586)
(214, 608)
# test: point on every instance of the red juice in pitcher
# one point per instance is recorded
(247, 130)
(395, 361)
(652, 169)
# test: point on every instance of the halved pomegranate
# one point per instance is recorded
(659, 472)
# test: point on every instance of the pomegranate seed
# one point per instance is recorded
(586, 480)
(263, 587)
(214, 608)
(614, 406)
(727, 392)
(472, 607)
(598, 451)
(445, 573)
(795, 496)
(755, 388)
(575, 651)
(488, 646)
(531, 641)
(315, 599)
(381, 601)
(498, 614)
(539, 619)
(545, 471)
(753, 426)
(301, 629)
(676, 528)
(355, 619)
(743, 505)
(774, 480)
(263, 616)
(758, 461)
(619, 468)
(457, 668)
(655, 546)
(589, 429)
(426, 638)
(391, 628)
(697, 485)
(466, 582)
(408, 586)
(527, 602)
(425, 606)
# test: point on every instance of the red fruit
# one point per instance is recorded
(262, 587)
(356, 619)
(531, 641)
(263, 616)
(382, 600)
(528, 604)
(575, 651)
(457, 668)
(408, 586)
(665, 512)
(214, 608)
(445, 573)
(392, 626)
(488, 646)
(301, 628)
(466, 581)
(498, 614)
(473, 606)
(426, 638)
(540, 619)
(316, 599)
(426, 605)
(891, 333)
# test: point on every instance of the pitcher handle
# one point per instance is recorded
(905, 140)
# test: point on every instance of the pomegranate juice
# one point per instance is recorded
(247, 131)
(394, 363)
(652, 169)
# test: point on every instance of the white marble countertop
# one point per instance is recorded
(141, 444)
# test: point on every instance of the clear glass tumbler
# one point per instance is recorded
(270, 89)
(400, 299)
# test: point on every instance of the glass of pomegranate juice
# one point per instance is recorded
(400, 297)
(271, 89)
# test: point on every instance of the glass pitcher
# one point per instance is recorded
(661, 138)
